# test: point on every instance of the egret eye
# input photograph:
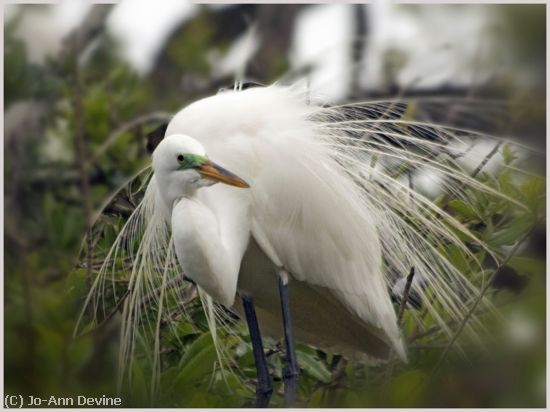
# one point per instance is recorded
(181, 158)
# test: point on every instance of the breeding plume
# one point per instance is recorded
(300, 218)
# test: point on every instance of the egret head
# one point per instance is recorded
(182, 166)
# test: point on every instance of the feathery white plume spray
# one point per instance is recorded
(367, 154)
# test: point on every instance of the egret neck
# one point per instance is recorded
(210, 238)
(201, 251)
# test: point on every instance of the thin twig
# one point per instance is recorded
(125, 127)
(405, 296)
(473, 308)
(445, 200)
(419, 335)
(437, 328)
(486, 159)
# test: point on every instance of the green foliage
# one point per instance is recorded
(47, 278)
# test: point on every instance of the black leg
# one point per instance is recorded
(291, 370)
(263, 387)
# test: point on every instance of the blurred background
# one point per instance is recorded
(85, 85)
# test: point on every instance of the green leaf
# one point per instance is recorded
(456, 257)
(184, 329)
(508, 155)
(534, 192)
(197, 362)
(197, 346)
(506, 185)
(200, 400)
(406, 389)
(316, 399)
(512, 233)
(139, 387)
(527, 265)
(169, 375)
(313, 367)
(463, 209)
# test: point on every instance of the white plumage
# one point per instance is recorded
(302, 213)
(326, 202)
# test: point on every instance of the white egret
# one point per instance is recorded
(310, 225)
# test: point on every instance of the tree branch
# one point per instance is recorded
(127, 126)
(405, 296)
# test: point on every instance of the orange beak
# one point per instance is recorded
(212, 171)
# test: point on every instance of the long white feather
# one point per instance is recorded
(326, 197)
